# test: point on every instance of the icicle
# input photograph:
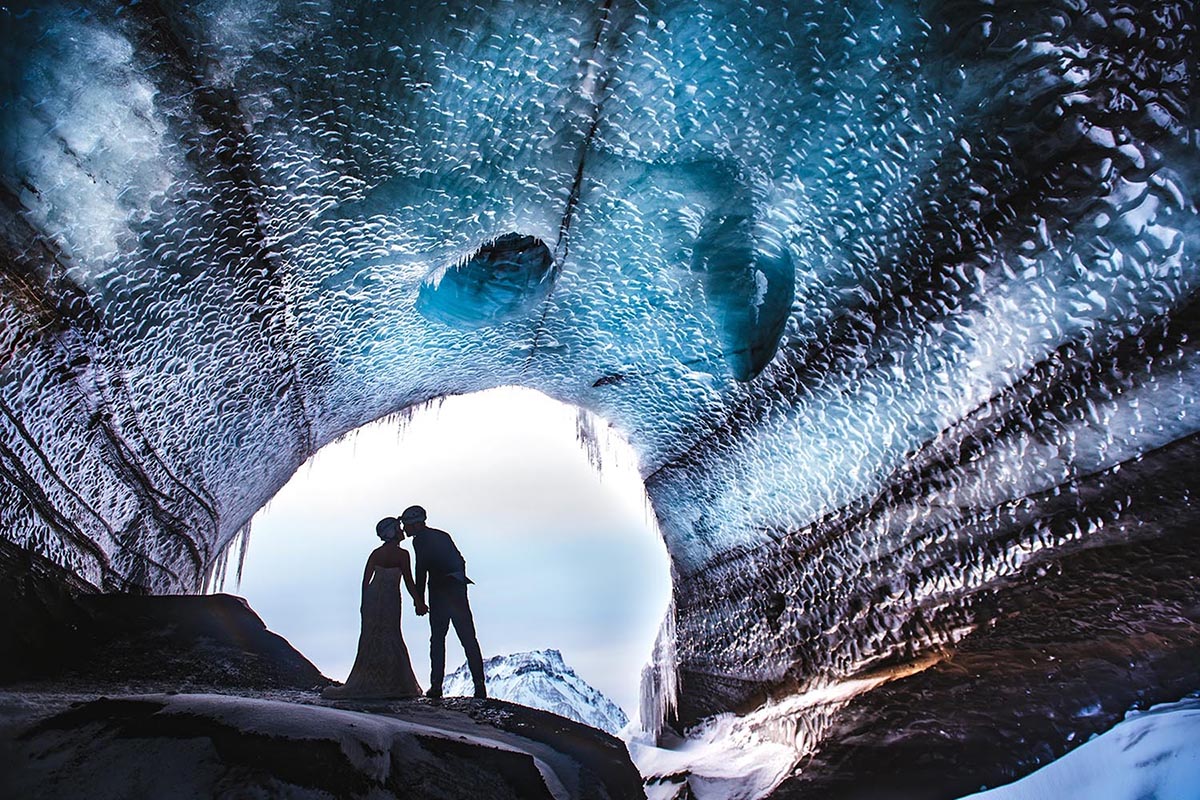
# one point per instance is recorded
(404, 417)
(206, 585)
(585, 434)
(221, 563)
(243, 537)
(660, 679)
(219, 568)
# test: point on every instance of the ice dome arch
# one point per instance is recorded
(896, 301)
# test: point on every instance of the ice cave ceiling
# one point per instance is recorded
(895, 300)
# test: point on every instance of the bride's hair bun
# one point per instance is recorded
(387, 528)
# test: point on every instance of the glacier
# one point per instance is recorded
(896, 303)
(541, 679)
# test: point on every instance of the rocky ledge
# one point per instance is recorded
(192, 696)
(210, 745)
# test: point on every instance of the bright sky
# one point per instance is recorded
(562, 556)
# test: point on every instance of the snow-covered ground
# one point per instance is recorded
(1152, 754)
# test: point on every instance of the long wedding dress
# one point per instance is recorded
(381, 666)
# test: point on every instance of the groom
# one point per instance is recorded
(440, 563)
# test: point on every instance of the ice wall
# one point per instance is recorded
(892, 299)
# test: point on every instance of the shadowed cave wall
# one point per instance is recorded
(895, 301)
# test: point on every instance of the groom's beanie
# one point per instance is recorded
(413, 514)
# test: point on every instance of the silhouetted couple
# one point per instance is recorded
(382, 667)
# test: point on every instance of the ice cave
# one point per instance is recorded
(896, 302)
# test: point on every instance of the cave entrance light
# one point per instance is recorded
(565, 553)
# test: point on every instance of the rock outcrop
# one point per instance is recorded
(197, 745)
(192, 697)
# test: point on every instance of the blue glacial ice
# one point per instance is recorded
(896, 302)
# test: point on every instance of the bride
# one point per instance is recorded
(381, 667)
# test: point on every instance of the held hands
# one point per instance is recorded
(422, 609)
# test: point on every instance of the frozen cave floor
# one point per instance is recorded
(113, 696)
(281, 743)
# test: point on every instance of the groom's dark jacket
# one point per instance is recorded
(438, 560)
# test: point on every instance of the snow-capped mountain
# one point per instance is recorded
(540, 679)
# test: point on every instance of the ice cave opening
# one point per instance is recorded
(544, 499)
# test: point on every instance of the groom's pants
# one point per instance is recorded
(448, 603)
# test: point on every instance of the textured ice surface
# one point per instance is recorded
(507, 277)
(885, 295)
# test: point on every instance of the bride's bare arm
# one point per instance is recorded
(367, 573)
(418, 601)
